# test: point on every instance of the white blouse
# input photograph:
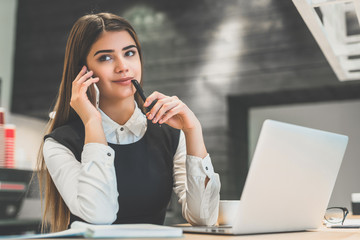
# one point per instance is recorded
(89, 187)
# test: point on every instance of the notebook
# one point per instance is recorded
(290, 181)
(85, 230)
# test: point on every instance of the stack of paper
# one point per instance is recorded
(80, 229)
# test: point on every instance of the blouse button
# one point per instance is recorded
(206, 168)
(121, 129)
(109, 154)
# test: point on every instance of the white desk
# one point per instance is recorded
(322, 234)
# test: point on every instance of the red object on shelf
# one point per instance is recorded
(9, 146)
(2, 138)
(2, 118)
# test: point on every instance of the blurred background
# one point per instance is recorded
(235, 63)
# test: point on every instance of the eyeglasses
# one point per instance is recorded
(336, 215)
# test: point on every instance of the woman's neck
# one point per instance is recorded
(119, 111)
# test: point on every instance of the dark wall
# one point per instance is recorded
(201, 51)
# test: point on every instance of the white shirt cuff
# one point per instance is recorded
(96, 152)
(197, 166)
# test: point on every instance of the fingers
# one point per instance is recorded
(163, 108)
(79, 99)
(83, 80)
(155, 95)
(83, 76)
(84, 87)
(170, 114)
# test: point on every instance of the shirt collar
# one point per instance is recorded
(136, 124)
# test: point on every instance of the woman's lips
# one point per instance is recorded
(124, 81)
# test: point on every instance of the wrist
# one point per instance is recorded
(195, 128)
(94, 132)
(94, 121)
(195, 145)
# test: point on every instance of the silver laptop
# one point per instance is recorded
(289, 183)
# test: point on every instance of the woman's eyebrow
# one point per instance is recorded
(128, 47)
(111, 50)
(104, 51)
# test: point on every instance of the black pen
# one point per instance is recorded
(142, 95)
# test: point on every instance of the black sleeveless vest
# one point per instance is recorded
(144, 170)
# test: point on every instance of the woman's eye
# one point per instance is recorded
(105, 58)
(130, 53)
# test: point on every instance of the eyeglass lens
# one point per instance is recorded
(335, 215)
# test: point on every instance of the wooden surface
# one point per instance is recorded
(318, 235)
(322, 233)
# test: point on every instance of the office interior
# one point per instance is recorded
(235, 63)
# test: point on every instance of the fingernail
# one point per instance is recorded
(150, 116)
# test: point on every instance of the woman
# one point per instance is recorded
(118, 164)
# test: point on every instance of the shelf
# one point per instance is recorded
(335, 26)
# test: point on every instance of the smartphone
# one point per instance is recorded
(94, 94)
(97, 96)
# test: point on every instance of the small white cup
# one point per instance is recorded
(355, 203)
(227, 211)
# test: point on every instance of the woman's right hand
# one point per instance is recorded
(79, 99)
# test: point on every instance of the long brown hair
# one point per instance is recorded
(83, 35)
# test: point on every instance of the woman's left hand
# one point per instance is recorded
(172, 111)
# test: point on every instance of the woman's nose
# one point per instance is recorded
(121, 66)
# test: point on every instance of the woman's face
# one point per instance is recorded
(114, 58)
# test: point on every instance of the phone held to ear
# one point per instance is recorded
(97, 96)
(95, 93)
